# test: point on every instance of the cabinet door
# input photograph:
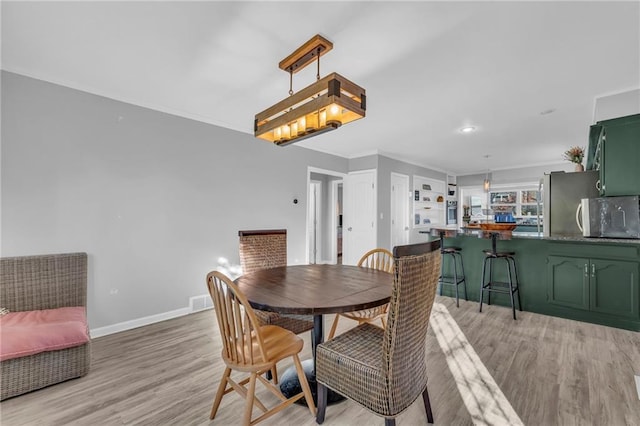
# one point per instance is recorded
(620, 174)
(614, 287)
(568, 281)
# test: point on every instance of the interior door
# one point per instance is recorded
(399, 209)
(359, 216)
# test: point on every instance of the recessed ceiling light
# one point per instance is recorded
(468, 129)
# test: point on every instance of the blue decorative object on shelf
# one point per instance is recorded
(504, 218)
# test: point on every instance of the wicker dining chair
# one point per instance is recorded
(266, 249)
(384, 371)
(382, 260)
(249, 347)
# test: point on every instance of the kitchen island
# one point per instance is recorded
(595, 280)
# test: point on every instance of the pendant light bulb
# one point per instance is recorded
(486, 185)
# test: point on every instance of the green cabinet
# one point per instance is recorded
(614, 287)
(618, 152)
(599, 285)
(568, 282)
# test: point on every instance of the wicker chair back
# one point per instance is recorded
(417, 271)
(263, 249)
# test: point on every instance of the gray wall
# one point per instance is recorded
(386, 166)
(154, 199)
(363, 163)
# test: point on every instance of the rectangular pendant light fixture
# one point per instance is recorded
(320, 107)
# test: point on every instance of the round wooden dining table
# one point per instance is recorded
(314, 290)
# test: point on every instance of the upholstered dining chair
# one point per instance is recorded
(249, 347)
(382, 260)
(266, 249)
(384, 371)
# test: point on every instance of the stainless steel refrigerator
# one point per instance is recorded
(562, 194)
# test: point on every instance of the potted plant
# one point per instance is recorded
(575, 154)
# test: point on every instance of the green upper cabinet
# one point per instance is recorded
(620, 156)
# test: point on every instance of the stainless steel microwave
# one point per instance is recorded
(611, 217)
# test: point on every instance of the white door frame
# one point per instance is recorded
(407, 208)
(315, 217)
(333, 221)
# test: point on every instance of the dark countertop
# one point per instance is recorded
(534, 236)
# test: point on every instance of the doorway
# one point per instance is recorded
(324, 212)
(314, 221)
(400, 199)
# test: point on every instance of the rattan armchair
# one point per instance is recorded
(384, 371)
(382, 260)
(266, 249)
(252, 348)
(29, 283)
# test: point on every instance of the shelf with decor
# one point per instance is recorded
(429, 202)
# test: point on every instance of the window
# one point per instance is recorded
(518, 202)
(504, 202)
(529, 203)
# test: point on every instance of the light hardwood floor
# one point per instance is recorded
(546, 370)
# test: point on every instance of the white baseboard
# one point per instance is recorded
(138, 322)
(196, 304)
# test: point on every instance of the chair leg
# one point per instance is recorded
(389, 422)
(464, 278)
(427, 405)
(455, 278)
(302, 378)
(220, 393)
(334, 327)
(441, 279)
(515, 270)
(322, 403)
(490, 280)
(484, 267)
(251, 393)
(513, 306)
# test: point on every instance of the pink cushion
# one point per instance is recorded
(31, 332)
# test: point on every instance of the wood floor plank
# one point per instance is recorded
(551, 371)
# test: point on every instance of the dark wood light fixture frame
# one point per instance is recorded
(305, 54)
(333, 91)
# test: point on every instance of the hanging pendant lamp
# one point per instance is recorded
(318, 108)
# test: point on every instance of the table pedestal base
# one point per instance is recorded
(290, 385)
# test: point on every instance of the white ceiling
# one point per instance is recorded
(429, 68)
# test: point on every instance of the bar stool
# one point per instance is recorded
(510, 287)
(456, 258)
